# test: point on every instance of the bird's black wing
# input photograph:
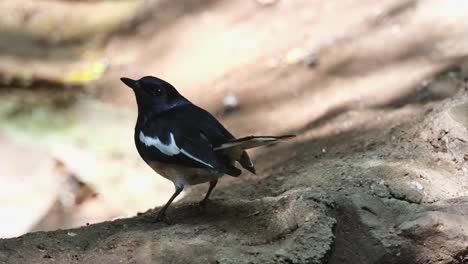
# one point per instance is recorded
(211, 130)
(174, 137)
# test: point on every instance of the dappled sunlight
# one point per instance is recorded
(365, 86)
(276, 92)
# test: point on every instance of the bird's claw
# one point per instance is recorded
(203, 204)
(160, 217)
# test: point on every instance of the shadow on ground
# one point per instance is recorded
(377, 173)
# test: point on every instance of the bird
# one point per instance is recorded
(185, 143)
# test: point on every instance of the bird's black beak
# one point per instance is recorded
(129, 82)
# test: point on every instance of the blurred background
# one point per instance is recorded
(67, 156)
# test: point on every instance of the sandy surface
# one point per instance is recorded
(365, 86)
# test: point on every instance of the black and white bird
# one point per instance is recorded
(184, 143)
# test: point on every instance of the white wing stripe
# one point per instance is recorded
(237, 143)
(194, 158)
(170, 149)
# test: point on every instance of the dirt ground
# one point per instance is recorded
(375, 91)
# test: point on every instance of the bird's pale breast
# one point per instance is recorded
(181, 175)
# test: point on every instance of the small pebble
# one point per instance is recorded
(71, 234)
(416, 185)
(424, 83)
(230, 103)
(311, 60)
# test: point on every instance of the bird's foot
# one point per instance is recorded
(160, 217)
(204, 203)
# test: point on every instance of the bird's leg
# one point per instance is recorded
(210, 189)
(162, 212)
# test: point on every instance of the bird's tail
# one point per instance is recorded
(251, 142)
(235, 149)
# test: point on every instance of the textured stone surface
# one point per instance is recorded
(378, 173)
(291, 228)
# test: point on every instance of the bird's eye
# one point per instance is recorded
(158, 91)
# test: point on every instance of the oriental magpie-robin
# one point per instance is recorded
(184, 143)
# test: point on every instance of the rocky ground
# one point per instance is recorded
(376, 93)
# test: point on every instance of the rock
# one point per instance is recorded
(409, 194)
(311, 60)
(440, 236)
(371, 190)
(291, 228)
(416, 185)
(230, 103)
(362, 227)
(380, 189)
(366, 230)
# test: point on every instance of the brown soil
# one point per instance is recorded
(374, 91)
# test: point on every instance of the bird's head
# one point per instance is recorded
(154, 94)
